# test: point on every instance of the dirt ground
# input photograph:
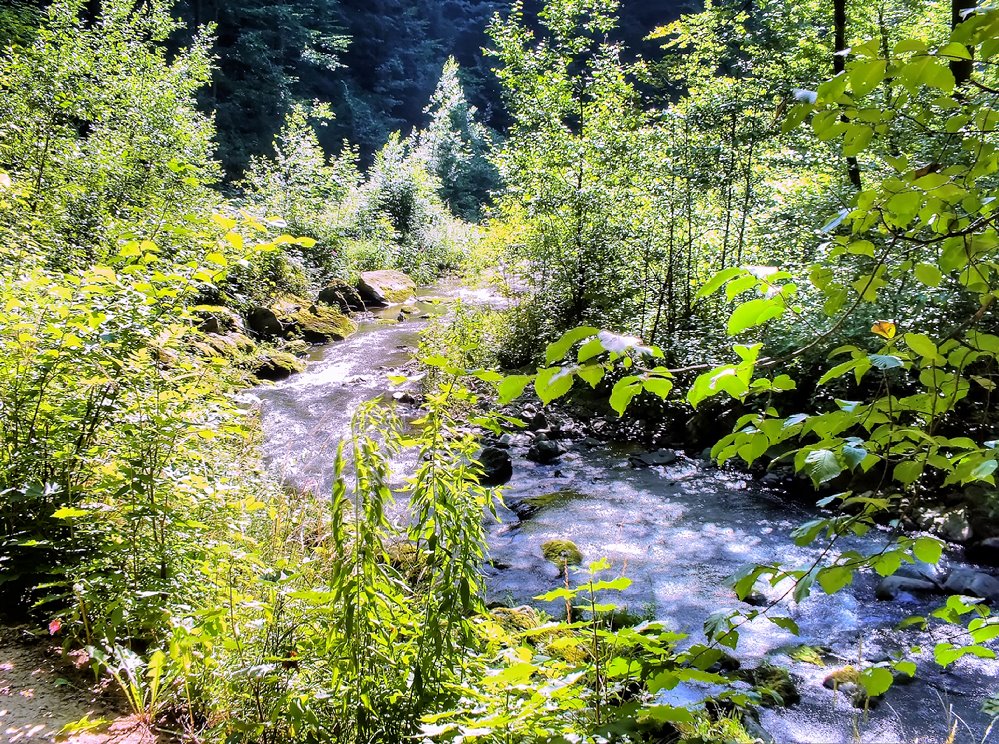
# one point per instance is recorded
(40, 693)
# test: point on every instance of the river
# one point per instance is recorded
(677, 531)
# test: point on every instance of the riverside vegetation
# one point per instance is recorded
(785, 223)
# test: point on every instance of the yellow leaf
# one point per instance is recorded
(885, 329)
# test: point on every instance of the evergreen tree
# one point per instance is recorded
(456, 147)
(270, 53)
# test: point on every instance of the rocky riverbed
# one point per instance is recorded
(677, 527)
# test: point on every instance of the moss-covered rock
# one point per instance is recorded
(340, 295)
(561, 552)
(316, 323)
(846, 680)
(277, 365)
(385, 287)
(229, 345)
(516, 619)
(528, 507)
(774, 682)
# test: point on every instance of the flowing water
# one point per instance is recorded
(676, 531)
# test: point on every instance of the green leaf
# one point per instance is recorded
(624, 391)
(927, 549)
(591, 374)
(865, 76)
(715, 282)
(658, 386)
(834, 578)
(822, 465)
(908, 472)
(69, 512)
(753, 313)
(512, 387)
(885, 361)
(928, 274)
(921, 344)
(552, 383)
(668, 714)
(876, 680)
(558, 349)
(786, 623)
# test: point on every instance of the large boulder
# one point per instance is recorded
(277, 365)
(984, 551)
(971, 583)
(264, 322)
(651, 459)
(891, 587)
(341, 295)
(315, 323)
(385, 287)
(544, 451)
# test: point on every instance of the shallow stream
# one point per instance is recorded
(677, 531)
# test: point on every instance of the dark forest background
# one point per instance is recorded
(375, 61)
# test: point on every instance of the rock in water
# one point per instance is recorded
(544, 452)
(973, 584)
(265, 323)
(341, 295)
(539, 422)
(649, 459)
(892, 586)
(984, 551)
(497, 466)
(316, 323)
(385, 287)
(561, 552)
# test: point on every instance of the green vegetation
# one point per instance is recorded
(786, 220)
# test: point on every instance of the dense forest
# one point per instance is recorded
(501, 371)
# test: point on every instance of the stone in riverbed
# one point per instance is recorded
(317, 323)
(561, 552)
(891, 587)
(264, 322)
(984, 551)
(341, 295)
(497, 466)
(971, 583)
(544, 451)
(650, 459)
(277, 365)
(538, 422)
(385, 287)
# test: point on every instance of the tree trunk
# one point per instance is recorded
(960, 67)
(839, 65)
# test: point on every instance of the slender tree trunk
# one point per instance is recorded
(729, 193)
(747, 199)
(839, 65)
(960, 67)
(690, 221)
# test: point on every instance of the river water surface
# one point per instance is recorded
(676, 531)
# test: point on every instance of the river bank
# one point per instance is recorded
(676, 527)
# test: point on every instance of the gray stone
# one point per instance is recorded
(538, 422)
(891, 587)
(923, 571)
(984, 551)
(955, 526)
(973, 583)
(544, 451)
(659, 457)
(497, 467)
(342, 296)
(264, 322)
